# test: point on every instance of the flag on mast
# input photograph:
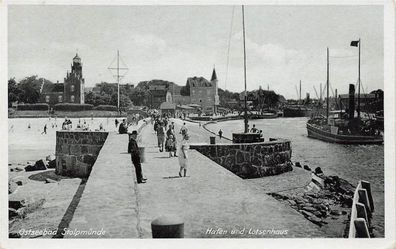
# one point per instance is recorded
(354, 43)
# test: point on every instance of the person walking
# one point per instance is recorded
(220, 133)
(183, 155)
(133, 149)
(161, 136)
(183, 128)
(45, 129)
(116, 122)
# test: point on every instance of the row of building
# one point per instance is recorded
(202, 93)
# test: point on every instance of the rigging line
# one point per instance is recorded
(229, 45)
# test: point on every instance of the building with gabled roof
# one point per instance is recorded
(71, 91)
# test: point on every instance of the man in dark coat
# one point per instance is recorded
(123, 128)
(135, 156)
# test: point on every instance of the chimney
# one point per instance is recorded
(351, 101)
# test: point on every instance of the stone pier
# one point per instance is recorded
(212, 201)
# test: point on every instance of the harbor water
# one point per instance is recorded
(350, 162)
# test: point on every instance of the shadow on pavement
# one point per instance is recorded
(68, 216)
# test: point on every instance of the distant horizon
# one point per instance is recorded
(173, 43)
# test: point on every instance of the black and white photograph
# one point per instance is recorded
(226, 120)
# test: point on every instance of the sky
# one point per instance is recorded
(284, 44)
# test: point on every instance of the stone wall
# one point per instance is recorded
(76, 151)
(250, 160)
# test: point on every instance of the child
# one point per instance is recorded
(183, 155)
(171, 145)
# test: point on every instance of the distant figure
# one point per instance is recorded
(220, 133)
(135, 156)
(45, 129)
(183, 156)
(123, 128)
(261, 133)
(183, 128)
(254, 129)
(170, 145)
(161, 137)
(172, 126)
(100, 126)
(116, 122)
(199, 124)
(52, 125)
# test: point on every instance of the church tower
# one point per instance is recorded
(214, 82)
(74, 83)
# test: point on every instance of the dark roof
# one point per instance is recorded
(214, 76)
(158, 92)
(198, 82)
(56, 87)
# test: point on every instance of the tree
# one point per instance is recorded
(30, 89)
(140, 97)
(13, 91)
(125, 101)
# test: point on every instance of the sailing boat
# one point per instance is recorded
(298, 110)
(344, 127)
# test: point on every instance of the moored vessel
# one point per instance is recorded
(343, 127)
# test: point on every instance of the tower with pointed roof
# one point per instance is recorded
(214, 81)
(204, 92)
(74, 83)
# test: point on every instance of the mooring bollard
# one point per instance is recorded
(363, 198)
(366, 185)
(167, 227)
(361, 228)
(361, 211)
(212, 140)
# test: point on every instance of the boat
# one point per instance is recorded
(296, 111)
(263, 115)
(344, 127)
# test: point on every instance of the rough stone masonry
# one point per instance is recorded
(76, 151)
(251, 160)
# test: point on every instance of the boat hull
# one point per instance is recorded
(296, 112)
(317, 133)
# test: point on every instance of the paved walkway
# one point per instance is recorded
(211, 197)
(109, 199)
(212, 201)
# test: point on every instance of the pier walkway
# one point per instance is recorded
(212, 201)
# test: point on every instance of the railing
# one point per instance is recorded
(361, 213)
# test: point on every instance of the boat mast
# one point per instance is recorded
(358, 108)
(244, 67)
(118, 81)
(327, 86)
(300, 93)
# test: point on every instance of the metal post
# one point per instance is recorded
(327, 86)
(118, 81)
(358, 108)
(244, 66)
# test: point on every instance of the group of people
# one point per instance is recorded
(166, 138)
(123, 127)
(67, 124)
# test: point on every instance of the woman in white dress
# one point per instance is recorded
(183, 155)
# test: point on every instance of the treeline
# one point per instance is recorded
(25, 91)
(105, 94)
